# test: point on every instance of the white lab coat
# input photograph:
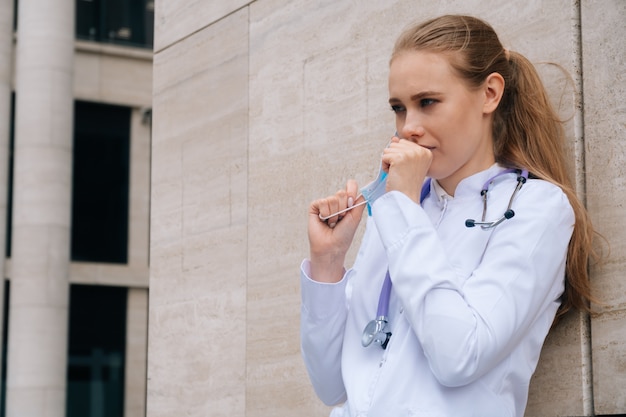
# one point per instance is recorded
(469, 308)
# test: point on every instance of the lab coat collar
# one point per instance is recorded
(468, 187)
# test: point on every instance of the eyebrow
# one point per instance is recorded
(416, 97)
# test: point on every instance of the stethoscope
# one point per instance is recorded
(377, 330)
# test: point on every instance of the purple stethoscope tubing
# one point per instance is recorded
(383, 299)
(385, 292)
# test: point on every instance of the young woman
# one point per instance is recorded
(442, 315)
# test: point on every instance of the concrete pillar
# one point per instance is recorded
(6, 67)
(139, 209)
(136, 353)
(38, 311)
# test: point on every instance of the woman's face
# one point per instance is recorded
(435, 109)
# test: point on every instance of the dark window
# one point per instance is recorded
(126, 22)
(97, 346)
(100, 183)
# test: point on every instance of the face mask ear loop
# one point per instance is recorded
(322, 218)
(369, 208)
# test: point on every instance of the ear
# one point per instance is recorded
(493, 89)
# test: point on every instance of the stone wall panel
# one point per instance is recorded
(293, 98)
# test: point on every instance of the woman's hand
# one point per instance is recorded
(406, 163)
(330, 240)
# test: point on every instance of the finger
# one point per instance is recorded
(352, 191)
(316, 208)
(325, 208)
(322, 207)
(405, 144)
(391, 156)
(337, 203)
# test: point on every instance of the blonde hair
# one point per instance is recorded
(527, 132)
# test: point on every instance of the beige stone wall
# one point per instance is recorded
(259, 107)
(604, 76)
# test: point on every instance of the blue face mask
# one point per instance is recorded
(372, 191)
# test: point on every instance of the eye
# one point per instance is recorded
(396, 108)
(425, 102)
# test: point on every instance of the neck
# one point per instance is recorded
(450, 183)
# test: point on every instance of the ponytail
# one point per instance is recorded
(528, 133)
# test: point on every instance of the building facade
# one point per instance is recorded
(203, 200)
(75, 133)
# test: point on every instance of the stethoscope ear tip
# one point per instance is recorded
(470, 223)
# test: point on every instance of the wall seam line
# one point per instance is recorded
(581, 190)
(247, 271)
(200, 29)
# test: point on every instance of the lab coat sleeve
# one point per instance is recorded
(322, 325)
(468, 325)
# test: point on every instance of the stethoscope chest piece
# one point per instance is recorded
(376, 331)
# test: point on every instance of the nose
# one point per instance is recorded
(412, 129)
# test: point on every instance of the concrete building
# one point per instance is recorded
(260, 107)
(75, 98)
